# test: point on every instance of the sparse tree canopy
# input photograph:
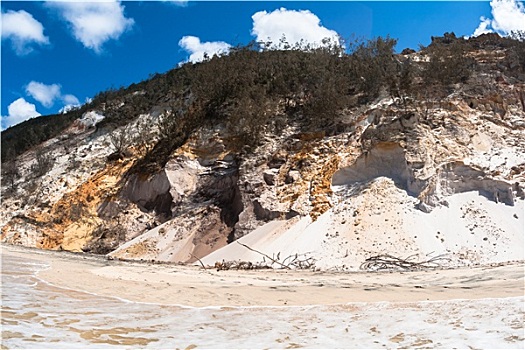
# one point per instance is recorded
(10, 174)
(244, 90)
(121, 139)
(43, 163)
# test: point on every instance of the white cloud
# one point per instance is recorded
(23, 30)
(296, 26)
(508, 16)
(45, 94)
(197, 49)
(483, 28)
(70, 100)
(19, 111)
(93, 23)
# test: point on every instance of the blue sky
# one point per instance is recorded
(56, 54)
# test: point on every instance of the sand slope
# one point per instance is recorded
(469, 229)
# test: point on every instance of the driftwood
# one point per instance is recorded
(388, 262)
(271, 259)
(296, 261)
(299, 261)
(240, 265)
(200, 261)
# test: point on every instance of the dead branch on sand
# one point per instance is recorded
(271, 259)
(240, 265)
(297, 261)
(200, 261)
(301, 262)
(388, 262)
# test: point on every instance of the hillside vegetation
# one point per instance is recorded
(256, 88)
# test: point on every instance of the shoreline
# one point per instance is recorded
(192, 286)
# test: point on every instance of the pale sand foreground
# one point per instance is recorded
(40, 315)
(193, 286)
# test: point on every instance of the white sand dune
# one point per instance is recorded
(469, 229)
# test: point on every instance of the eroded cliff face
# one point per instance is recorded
(385, 181)
(417, 189)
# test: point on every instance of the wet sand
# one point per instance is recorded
(194, 286)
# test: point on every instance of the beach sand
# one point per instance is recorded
(90, 302)
(194, 286)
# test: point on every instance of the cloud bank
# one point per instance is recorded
(198, 49)
(22, 30)
(507, 16)
(295, 26)
(302, 27)
(94, 23)
(19, 111)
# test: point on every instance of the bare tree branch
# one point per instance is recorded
(273, 260)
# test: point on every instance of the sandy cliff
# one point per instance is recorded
(446, 178)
